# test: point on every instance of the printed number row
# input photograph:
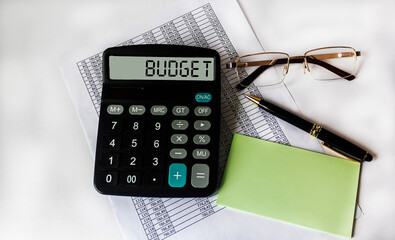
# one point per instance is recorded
(131, 179)
(116, 125)
(133, 160)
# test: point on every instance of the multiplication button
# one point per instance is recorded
(179, 138)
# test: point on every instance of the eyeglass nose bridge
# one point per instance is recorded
(305, 66)
(285, 69)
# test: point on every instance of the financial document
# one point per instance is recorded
(218, 25)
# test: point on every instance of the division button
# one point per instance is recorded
(179, 124)
(177, 175)
(136, 110)
(200, 175)
(115, 109)
(202, 125)
(178, 153)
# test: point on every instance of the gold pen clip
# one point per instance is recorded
(335, 153)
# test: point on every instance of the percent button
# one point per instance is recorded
(201, 139)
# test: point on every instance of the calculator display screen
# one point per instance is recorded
(161, 68)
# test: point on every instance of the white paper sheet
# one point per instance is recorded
(219, 25)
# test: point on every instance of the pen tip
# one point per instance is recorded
(252, 98)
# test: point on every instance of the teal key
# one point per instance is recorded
(203, 97)
(177, 175)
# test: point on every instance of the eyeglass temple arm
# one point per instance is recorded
(250, 78)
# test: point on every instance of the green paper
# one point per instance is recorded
(290, 184)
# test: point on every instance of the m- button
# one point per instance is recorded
(137, 110)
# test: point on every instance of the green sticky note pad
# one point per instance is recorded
(290, 184)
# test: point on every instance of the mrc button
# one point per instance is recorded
(203, 97)
(158, 110)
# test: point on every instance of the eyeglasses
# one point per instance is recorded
(329, 63)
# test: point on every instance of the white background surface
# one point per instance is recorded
(46, 168)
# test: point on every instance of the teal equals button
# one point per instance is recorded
(203, 97)
(177, 175)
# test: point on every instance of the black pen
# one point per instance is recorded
(329, 139)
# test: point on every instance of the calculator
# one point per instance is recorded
(159, 123)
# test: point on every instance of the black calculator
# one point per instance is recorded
(159, 122)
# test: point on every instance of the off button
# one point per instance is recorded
(203, 97)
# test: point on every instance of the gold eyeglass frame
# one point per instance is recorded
(315, 59)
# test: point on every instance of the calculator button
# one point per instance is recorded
(133, 160)
(202, 125)
(112, 142)
(157, 125)
(179, 124)
(158, 110)
(178, 153)
(203, 97)
(109, 178)
(131, 179)
(135, 126)
(177, 175)
(110, 160)
(179, 138)
(200, 175)
(135, 143)
(155, 143)
(113, 125)
(202, 111)
(201, 154)
(115, 109)
(201, 139)
(154, 180)
(180, 110)
(154, 160)
(137, 110)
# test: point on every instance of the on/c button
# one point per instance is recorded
(203, 97)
